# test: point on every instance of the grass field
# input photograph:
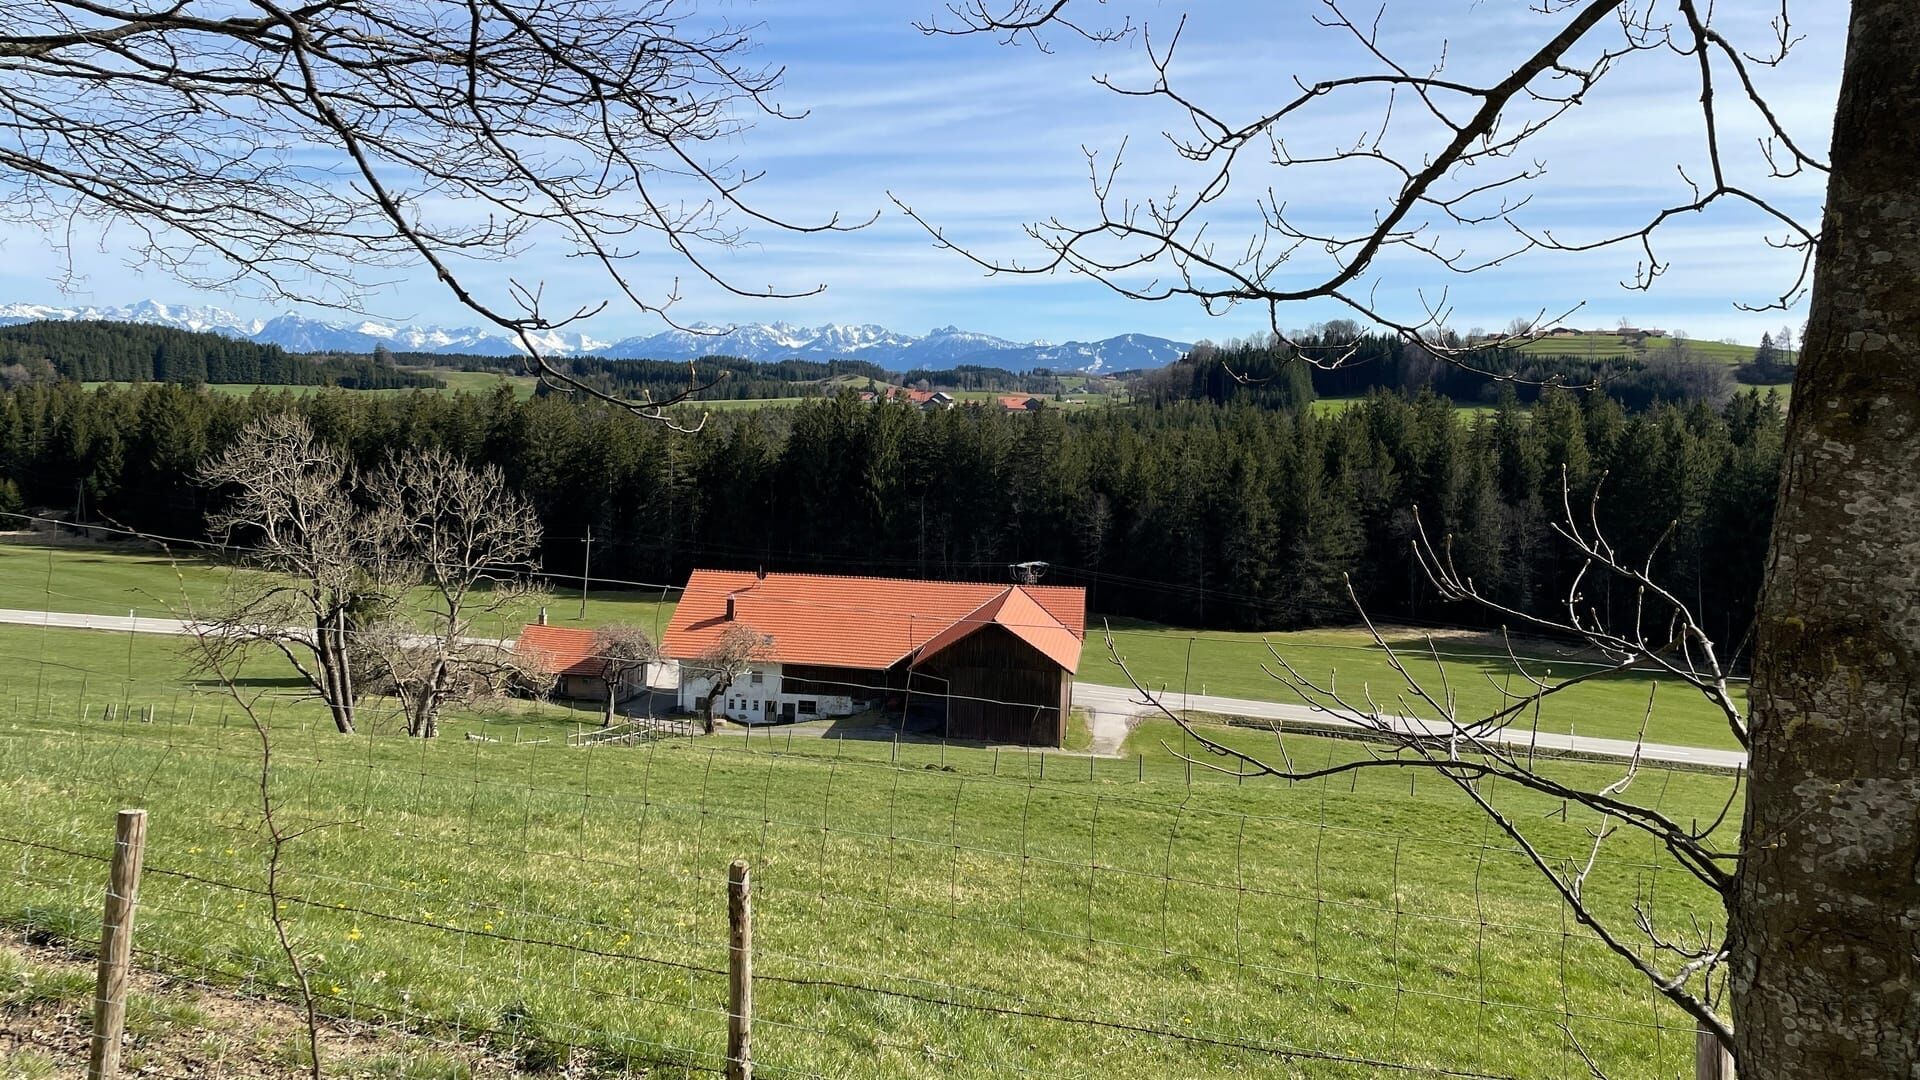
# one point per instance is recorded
(1615, 347)
(472, 382)
(122, 580)
(1476, 669)
(1336, 406)
(482, 382)
(921, 910)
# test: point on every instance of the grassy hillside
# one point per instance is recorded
(925, 911)
(1616, 347)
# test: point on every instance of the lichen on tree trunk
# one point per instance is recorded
(1826, 911)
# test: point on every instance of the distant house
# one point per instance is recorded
(1020, 403)
(566, 653)
(924, 400)
(964, 659)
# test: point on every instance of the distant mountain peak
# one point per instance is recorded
(944, 347)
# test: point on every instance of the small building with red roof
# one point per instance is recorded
(566, 653)
(970, 660)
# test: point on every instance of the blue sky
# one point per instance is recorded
(983, 138)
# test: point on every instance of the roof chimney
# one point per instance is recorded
(729, 607)
(543, 615)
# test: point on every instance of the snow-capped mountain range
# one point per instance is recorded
(945, 347)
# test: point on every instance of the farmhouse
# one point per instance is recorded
(966, 660)
(566, 653)
(924, 400)
(1019, 403)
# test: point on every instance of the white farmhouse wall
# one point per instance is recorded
(748, 699)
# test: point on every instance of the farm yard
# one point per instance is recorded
(922, 908)
(1168, 660)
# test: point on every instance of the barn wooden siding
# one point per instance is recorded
(999, 689)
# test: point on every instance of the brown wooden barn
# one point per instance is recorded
(964, 660)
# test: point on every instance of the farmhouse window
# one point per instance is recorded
(809, 707)
(758, 678)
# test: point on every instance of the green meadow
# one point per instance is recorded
(921, 909)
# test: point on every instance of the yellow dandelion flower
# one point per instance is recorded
(354, 934)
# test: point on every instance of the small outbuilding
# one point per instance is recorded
(566, 653)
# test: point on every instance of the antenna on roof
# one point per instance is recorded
(1028, 573)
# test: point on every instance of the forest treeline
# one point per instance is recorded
(1191, 512)
(99, 351)
(1356, 364)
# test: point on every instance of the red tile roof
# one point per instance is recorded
(560, 650)
(872, 623)
(1019, 613)
(1015, 402)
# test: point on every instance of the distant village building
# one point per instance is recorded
(1020, 403)
(924, 400)
(964, 660)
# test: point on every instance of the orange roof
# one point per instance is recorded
(1021, 614)
(560, 650)
(868, 622)
(1014, 402)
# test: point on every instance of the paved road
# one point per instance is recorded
(1112, 710)
(1105, 701)
(66, 620)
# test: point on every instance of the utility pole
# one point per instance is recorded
(586, 568)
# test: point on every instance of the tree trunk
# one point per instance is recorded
(336, 684)
(606, 721)
(1826, 908)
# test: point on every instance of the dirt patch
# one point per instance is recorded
(180, 1029)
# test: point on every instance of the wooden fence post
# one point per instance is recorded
(1710, 1060)
(739, 972)
(116, 944)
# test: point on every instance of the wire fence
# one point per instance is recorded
(514, 889)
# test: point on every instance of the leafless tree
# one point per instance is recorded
(324, 557)
(1421, 719)
(213, 654)
(467, 540)
(1822, 949)
(726, 661)
(313, 152)
(425, 673)
(1451, 156)
(623, 651)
